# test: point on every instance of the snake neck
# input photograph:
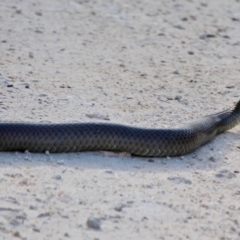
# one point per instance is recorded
(229, 118)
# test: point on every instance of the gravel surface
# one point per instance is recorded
(143, 63)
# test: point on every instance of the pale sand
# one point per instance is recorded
(117, 58)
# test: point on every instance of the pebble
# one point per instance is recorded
(150, 185)
(178, 97)
(235, 19)
(205, 36)
(223, 92)
(176, 71)
(14, 222)
(10, 85)
(179, 27)
(190, 52)
(97, 116)
(179, 180)
(46, 214)
(119, 207)
(150, 160)
(108, 171)
(94, 223)
(36, 229)
(43, 95)
(213, 159)
(38, 31)
(38, 13)
(230, 86)
(32, 207)
(225, 174)
(16, 234)
(27, 158)
(60, 162)
(31, 55)
(58, 177)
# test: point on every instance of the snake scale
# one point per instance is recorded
(76, 137)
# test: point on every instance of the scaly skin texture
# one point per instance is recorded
(78, 137)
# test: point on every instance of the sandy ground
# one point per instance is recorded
(143, 63)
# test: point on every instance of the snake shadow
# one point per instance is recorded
(213, 154)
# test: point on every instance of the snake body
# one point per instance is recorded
(76, 137)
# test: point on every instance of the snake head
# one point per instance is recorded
(237, 107)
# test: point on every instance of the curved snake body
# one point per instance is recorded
(76, 137)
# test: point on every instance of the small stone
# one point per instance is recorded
(190, 52)
(212, 159)
(38, 13)
(169, 98)
(108, 171)
(225, 36)
(10, 85)
(178, 97)
(94, 223)
(58, 177)
(36, 229)
(150, 185)
(119, 207)
(205, 36)
(143, 75)
(223, 92)
(60, 162)
(179, 27)
(30, 55)
(43, 95)
(27, 86)
(98, 116)
(235, 19)
(41, 215)
(150, 160)
(230, 86)
(16, 234)
(38, 31)
(176, 71)
(32, 207)
(14, 222)
(225, 174)
(18, 11)
(179, 180)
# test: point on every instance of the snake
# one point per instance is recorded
(144, 142)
